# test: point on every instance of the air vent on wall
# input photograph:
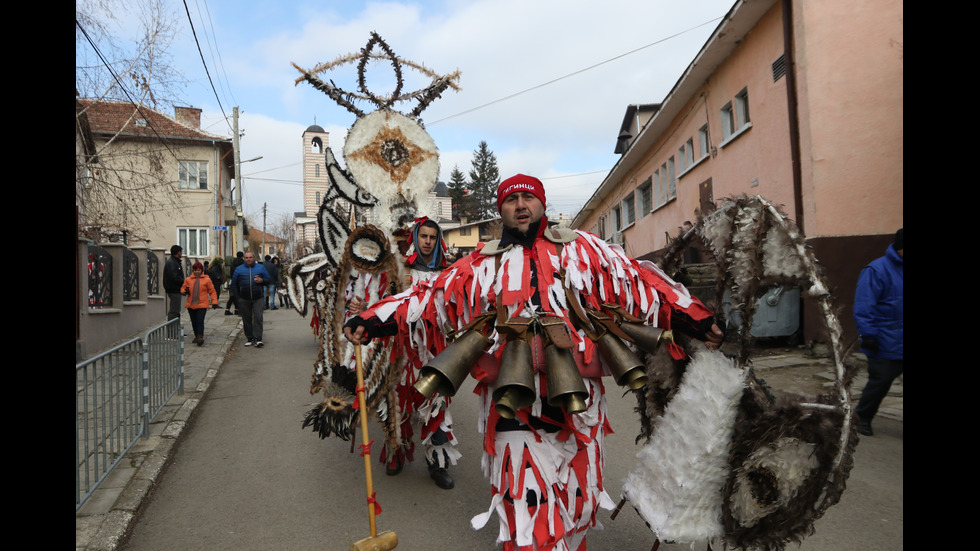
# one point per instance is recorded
(779, 67)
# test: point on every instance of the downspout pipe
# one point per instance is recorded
(792, 101)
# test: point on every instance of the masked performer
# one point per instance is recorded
(533, 290)
(425, 259)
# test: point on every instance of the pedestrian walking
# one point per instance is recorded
(232, 296)
(283, 276)
(878, 313)
(173, 279)
(270, 289)
(217, 275)
(200, 293)
(249, 281)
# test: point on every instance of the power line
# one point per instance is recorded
(220, 62)
(194, 32)
(574, 175)
(573, 73)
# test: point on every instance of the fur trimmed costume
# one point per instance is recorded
(545, 466)
(727, 457)
(430, 415)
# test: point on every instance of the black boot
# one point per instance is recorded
(864, 427)
(442, 479)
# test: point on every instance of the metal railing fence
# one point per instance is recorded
(117, 394)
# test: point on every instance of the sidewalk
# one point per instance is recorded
(794, 369)
(104, 518)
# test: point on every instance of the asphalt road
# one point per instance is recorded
(245, 476)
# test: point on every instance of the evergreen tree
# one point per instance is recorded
(484, 179)
(458, 193)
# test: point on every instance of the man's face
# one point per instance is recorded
(178, 254)
(427, 240)
(521, 209)
(249, 259)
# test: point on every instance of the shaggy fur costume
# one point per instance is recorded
(336, 414)
(789, 455)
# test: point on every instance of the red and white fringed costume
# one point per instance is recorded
(432, 414)
(546, 477)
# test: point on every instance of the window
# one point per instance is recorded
(727, 121)
(658, 184)
(318, 197)
(192, 175)
(194, 241)
(665, 184)
(703, 141)
(602, 227)
(617, 218)
(742, 108)
(685, 156)
(316, 146)
(735, 116)
(464, 231)
(317, 169)
(629, 210)
(646, 196)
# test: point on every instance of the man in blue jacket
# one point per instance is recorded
(249, 281)
(879, 317)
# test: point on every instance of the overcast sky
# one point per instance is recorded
(544, 82)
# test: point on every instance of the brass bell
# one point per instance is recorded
(626, 367)
(515, 382)
(647, 337)
(565, 385)
(447, 371)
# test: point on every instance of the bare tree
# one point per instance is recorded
(121, 51)
(121, 56)
(284, 227)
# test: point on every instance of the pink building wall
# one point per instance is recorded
(851, 72)
(848, 68)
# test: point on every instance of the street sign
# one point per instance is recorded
(223, 228)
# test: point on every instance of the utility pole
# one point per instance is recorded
(239, 213)
(264, 207)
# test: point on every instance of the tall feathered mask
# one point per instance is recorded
(391, 165)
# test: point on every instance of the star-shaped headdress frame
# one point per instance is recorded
(423, 96)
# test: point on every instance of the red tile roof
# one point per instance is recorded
(111, 116)
(269, 238)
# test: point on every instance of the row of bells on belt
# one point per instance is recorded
(515, 381)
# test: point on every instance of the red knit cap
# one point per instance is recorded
(521, 182)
